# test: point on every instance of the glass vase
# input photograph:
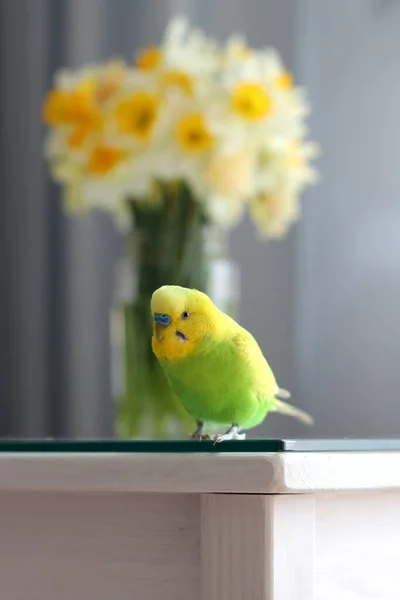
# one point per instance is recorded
(171, 243)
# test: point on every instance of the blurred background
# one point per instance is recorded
(323, 303)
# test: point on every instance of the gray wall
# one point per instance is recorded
(348, 269)
(24, 222)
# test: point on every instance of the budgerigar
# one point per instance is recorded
(214, 366)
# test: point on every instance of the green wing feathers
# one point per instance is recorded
(264, 380)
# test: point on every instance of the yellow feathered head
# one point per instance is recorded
(181, 318)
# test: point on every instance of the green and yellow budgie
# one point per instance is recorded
(214, 366)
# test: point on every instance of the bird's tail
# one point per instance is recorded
(287, 409)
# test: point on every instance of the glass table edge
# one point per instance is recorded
(193, 447)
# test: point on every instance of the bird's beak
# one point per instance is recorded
(159, 329)
(161, 322)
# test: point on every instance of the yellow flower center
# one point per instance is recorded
(178, 79)
(77, 137)
(192, 133)
(103, 159)
(56, 107)
(76, 108)
(136, 114)
(251, 101)
(66, 107)
(284, 81)
(149, 58)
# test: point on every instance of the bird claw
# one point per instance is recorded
(218, 439)
(199, 433)
(232, 434)
(200, 436)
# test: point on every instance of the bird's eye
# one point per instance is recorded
(185, 314)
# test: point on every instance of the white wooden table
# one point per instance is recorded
(291, 526)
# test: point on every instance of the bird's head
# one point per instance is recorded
(181, 318)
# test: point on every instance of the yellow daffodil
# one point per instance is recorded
(75, 108)
(251, 102)
(78, 136)
(284, 81)
(192, 133)
(227, 120)
(103, 159)
(148, 59)
(71, 106)
(179, 80)
(137, 113)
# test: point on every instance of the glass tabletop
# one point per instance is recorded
(189, 446)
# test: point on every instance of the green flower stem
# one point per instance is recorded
(169, 242)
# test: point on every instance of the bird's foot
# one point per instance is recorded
(231, 434)
(200, 436)
(199, 433)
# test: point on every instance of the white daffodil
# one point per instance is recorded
(226, 120)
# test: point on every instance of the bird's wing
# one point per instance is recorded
(262, 376)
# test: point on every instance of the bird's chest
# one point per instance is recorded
(207, 383)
